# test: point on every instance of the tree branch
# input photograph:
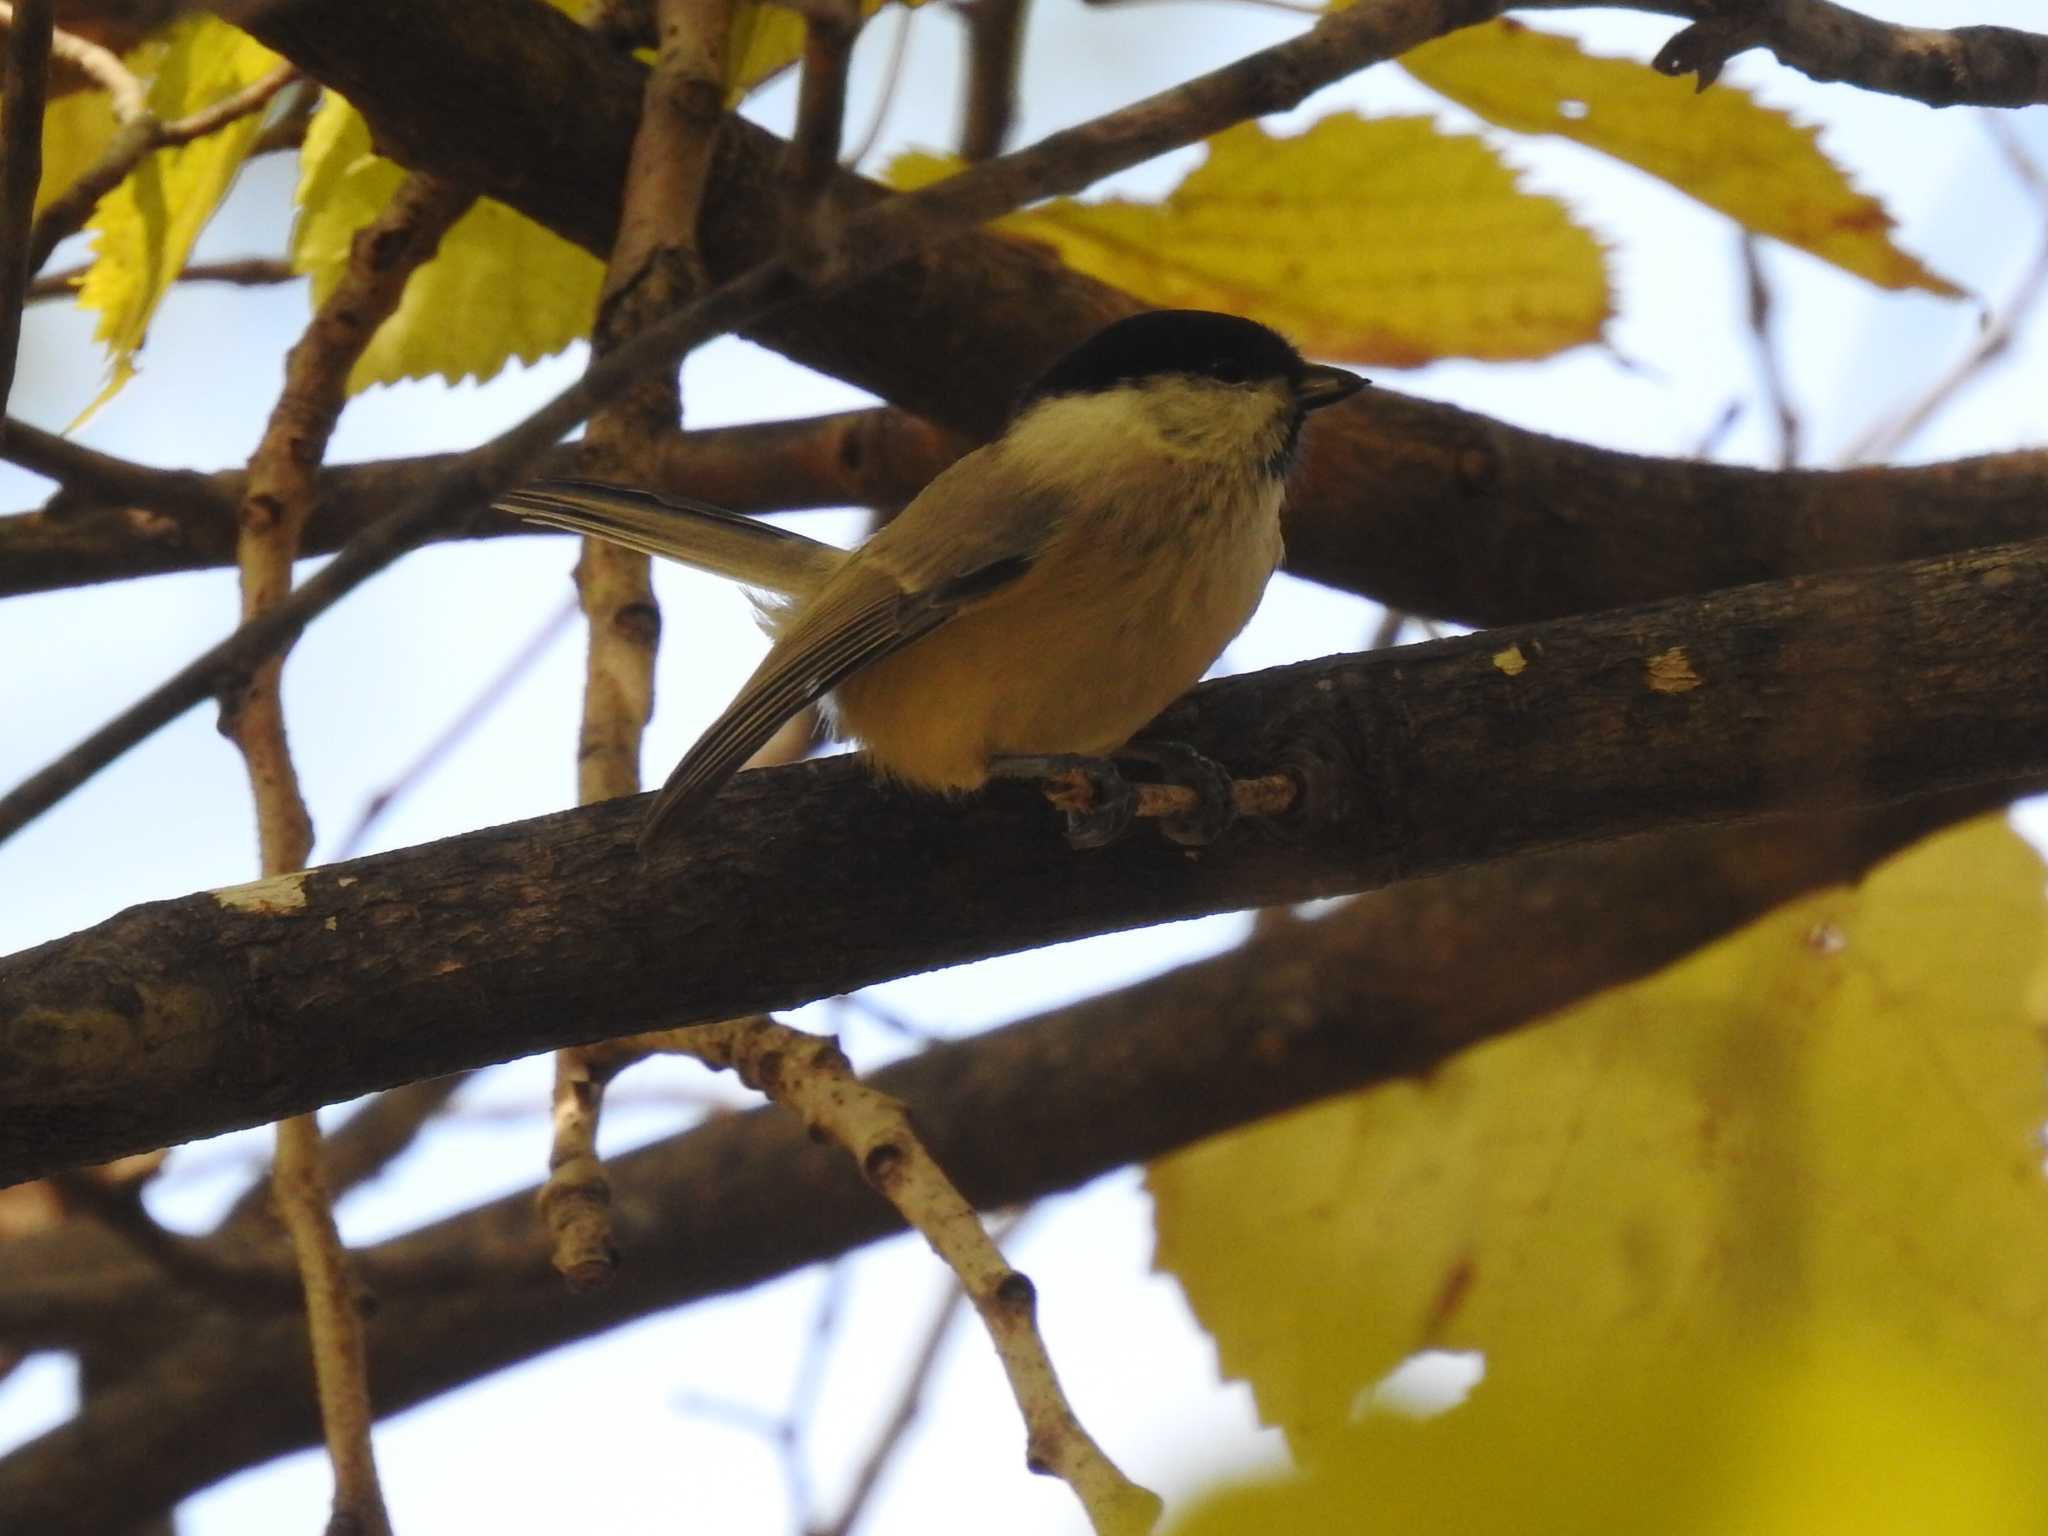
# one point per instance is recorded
(652, 268)
(30, 30)
(1386, 987)
(116, 519)
(1429, 508)
(1980, 66)
(1271, 79)
(1832, 693)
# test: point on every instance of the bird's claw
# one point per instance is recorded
(1098, 803)
(1216, 801)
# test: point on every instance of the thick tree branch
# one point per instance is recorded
(188, 1017)
(1432, 509)
(1417, 503)
(1388, 986)
(869, 241)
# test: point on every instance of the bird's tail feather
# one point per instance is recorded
(742, 549)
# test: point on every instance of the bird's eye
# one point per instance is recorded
(1228, 370)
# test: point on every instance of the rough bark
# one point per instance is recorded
(188, 1017)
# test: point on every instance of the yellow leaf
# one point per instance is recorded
(1376, 240)
(1814, 1141)
(1844, 1436)
(500, 287)
(1720, 146)
(143, 231)
(76, 132)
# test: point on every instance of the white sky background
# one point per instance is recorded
(374, 681)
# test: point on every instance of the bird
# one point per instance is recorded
(1045, 596)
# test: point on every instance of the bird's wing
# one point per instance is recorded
(681, 528)
(861, 619)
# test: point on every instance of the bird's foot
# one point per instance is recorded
(1098, 802)
(1215, 796)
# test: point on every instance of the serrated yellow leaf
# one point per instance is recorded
(500, 287)
(1720, 147)
(143, 231)
(1819, 1135)
(76, 132)
(1380, 240)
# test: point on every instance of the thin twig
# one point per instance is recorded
(341, 1370)
(253, 97)
(910, 1397)
(1770, 365)
(101, 65)
(27, 77)
(995, 36)
(1993, 340)
(473, 714)
(892, 81)
(140, 134)
(808, 1075)
(243, 272)
(1271, 80)
(654, 268)
(279, 499)
(84, 471)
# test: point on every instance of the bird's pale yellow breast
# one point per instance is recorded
(1141, 581)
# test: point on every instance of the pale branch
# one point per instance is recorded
(279, 499)
(1388, 986)
(652, 268)
(30, 30)
(809, 1075)
(93, 62)
(1821, 694)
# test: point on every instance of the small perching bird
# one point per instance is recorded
(1046, 595)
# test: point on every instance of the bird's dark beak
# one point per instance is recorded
(1320, 385)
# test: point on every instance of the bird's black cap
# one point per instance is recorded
(1227, 348)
